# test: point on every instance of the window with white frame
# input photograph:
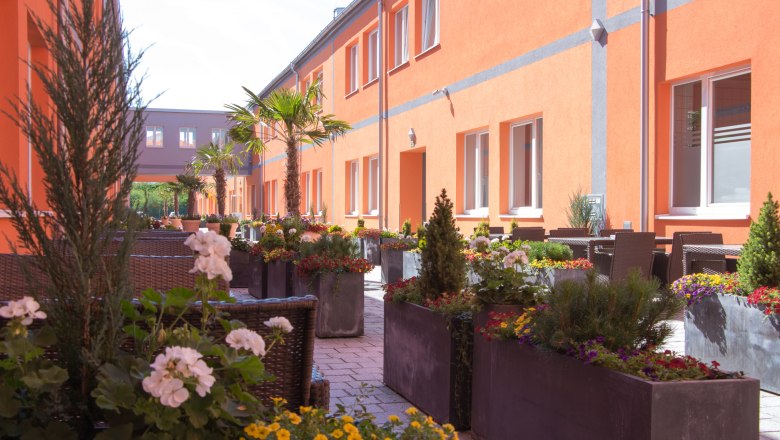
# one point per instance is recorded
(353, 187)
(186, 137)
(373, 185)
(154, 136)
(373, 55)
(274, 198)
(430, 25)
(525, 166)
(353, 68)
(401, 19)
(476, 148)
(219, 136)
(319, 81)
(318, 191)
(307, 192)
(711, 136)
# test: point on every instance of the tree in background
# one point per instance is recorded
(297, 120)
(193, 185)
(222, 160)
(175, 188)
(759, 264)
(443, 266)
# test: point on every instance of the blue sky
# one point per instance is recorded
(200, 52)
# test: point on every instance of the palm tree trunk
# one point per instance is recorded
(176, 202)
(191, 203)
(221, 181)
(292, 189)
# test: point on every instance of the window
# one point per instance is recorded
(401, 36)
(525, 166)
(186, 137)
(373, 185)
(319, 81)
(318, 191)
(154, 136)
(219, 136)
(475, 154)
(307, 192)
(430, 24)
(353, 68)
(711, 135)
(253, 203)
(373, 55)
(273, 198)
(353, 187)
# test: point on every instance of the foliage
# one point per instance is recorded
(769, 297)
(240, 244)
(222, 160)
(580, 211)
(504, 326)
(406, 228)
(452, 304)
(403, 291)
(213, 218)
(540, 250)
(84, 129)
(369, 233)
(331, 246)
(693, 288)
(388, 234)
(335, 228)
(579, 263)
(627, 314)
(421, 240)
(224, 229)
(300, 121)
(324, 214)
(443, 266)
(400, 245)
(316, 227)
(229, 219)
(279, 254)
(759, 264)
(361, 222)
(316, 264)
(193, 185)
(505, 278)
(513, 225)
(482, 230)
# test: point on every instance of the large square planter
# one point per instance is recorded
(551, 276)
(280, 279)
(412, 264)
(371, 251)
(240, 265)
(546, 395)
(340, 305)
(258, 278)
(428, 361)
(727, 329)
(392, 265)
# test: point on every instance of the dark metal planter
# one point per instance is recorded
(428, 361)
(280, 279)
(539, 394)
(739, 336)
(392, 265)
(241, 266)
(258, 278)
(551, 276)
(340, 306)
(412, 264)
(371, 251)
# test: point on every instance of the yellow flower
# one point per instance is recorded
(347, 419)
(411, 411)
(354, 436)
(415, 424)
(503, 325)
(295, 419)
(349, 428)
(393, 418)
(274, 427)
(305, 409)
(279, 401)
(337, 433)
(429, 420)
(448, 427)
(283, 434)
(320, 437)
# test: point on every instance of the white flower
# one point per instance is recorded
(525, 247)
(262, 229)
(292, 231)
(305, 238)
(279, 322)
(213, 266)
(26, 308)
(512, 259)
(246, 339)
(495, 240)
(173, 370)
(209, 243)
(479, 242)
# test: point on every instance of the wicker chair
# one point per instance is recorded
(166, 247)
(569, 232)
(633, 250)
(610, 232)
(535, 233)
(13, 282)
(496, 229)
(163, 273)
(706, 263)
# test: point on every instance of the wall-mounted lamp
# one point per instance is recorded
(597, 30)
(412, 138)
(442, 90)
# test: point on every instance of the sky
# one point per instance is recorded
(199, 53)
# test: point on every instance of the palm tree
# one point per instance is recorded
(175, 188)
(221, 159)
(193, 185)
(300, 120)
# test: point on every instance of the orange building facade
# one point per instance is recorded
(515, 106)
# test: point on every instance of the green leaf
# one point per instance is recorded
(196, 409)
(120, 432)
(250, 368)
(9, 406)
(44, 337)
(152, 295)
(148, 305)
(135, 332)
(129, 310)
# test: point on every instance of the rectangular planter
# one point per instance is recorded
(371, 251)
(258, 277)
(546, 395)
(340, 305)
(412, 263)
(280, 282)
(392, 266)
(241, 266)
(725, 328)
(550, 276)
(427, 363)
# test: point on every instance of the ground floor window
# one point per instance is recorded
(525, 166)
(373, 185)
(476, 172)
(353, 187)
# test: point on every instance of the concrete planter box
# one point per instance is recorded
(340, 305)
(550, 276)
(739, 336)
(428, 364)
(371, 251)
(546, 395)
(392, 265)
(302, 285)
(411, 265)
(240, 265)
(258, 278)
(280, 279)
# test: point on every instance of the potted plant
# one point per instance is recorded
(193, 185)
(233, 223)
(176, 222)
(331, 269)
(586, 367)
(370, 239)
(393, 259)
(240, 262)
(190, 223)
(428, 322)
(212, 223)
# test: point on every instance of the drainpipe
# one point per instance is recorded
(643, 205)
(332, 138)
(380, 72)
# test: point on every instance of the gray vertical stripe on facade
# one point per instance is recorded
(598, 136)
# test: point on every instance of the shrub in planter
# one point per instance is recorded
(406, 228)
(393, 259)
(759, 264)
(551, 272)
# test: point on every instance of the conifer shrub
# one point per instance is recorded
(443, 265)
(759, 264)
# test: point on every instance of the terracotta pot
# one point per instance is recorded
(190, 225)
(213, 227)
(176, 222)
(164, 221)
(233, 229)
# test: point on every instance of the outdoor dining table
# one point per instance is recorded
(734, 250)
(590, 243)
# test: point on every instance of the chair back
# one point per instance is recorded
(535, 233)
(163, 273)
(569, 232)
(675, 270)
(13, 281)
(633, 250)
(165, 247)
(496, 229)
(611, 232)
(703, 262)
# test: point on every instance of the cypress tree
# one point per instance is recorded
(759, 264)
(443, 265)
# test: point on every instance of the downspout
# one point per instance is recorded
(643, 175)
(380, 206)
(332, 138)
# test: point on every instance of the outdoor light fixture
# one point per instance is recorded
(412, 138)
(441, 90)
(597, 30)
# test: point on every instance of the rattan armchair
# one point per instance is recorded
(632, 251)
(534, 233)
(704, 263)
(569, 232)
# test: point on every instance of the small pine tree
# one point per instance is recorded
(759, 264)
(443, 265)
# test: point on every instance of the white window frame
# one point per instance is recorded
(157, 136)
(478, 210)
(373, 185)
(354, 59)
(705, 208)
(354, 187)
(401, 23)
(221, 136)
(307, 181)
(318, 77)
(373, 56)
(318, 192)
(186, 142)
(274, 208)
(537, 168)
(424, 44)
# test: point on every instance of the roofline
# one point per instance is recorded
(332, 28)
(179, 110)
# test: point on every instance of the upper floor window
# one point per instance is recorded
(353, 187)
(525, 166)
(318, 191)
(219, 136)
(318, 77)
(711, 136)
(373, 55)
(186, 137)
(401, 42)
(373, 185)
(154, 136)
(353, 68)
(429, 35)
(476, 172)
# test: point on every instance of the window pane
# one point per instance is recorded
(483, 170)
(470, 176)
(373, 61)
(429, 24)
(149, 136)
(522, 150)
(539, 162)
(401, 39)
(731, 134)
(686, 156)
